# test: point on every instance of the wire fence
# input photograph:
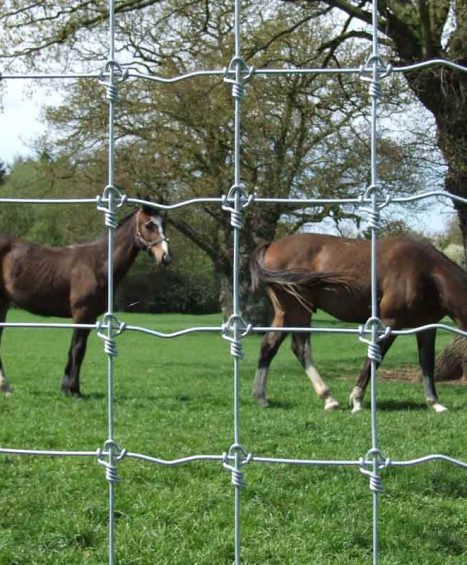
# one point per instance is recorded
(372, 201)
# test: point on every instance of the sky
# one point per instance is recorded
(20, 125)
(19, 122)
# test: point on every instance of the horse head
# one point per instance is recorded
(150, 235)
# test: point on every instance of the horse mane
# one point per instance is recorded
(103, 237)
(126, 218)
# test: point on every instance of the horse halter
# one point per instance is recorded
(149, 244)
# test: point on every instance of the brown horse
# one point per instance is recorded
(417, 285)
(72, 281)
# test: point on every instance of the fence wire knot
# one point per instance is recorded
(245, 73)
(111, 192)
(241, 457)
(382, 331)
(235, 322)
(111, 322)
(110, 76)
(374, 459)
(236, 217)
(381, 201)
(372, 72)
(114, 453)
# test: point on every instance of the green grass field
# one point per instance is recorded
(173, 398)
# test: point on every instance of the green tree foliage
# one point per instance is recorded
(50, 224)
(145, 288)
(302, 135)
(3, 172)
(414, 31)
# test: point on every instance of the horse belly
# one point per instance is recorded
(29, 289)
(54, 303)
(345, 306)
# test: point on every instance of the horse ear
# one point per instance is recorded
(149, 209)
(153, 211)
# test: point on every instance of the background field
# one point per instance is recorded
(173, 398)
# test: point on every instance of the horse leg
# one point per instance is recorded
(358, 392)
(70, 381)
(5, 386)
(269, 347)
(426, 356)
(301, 346)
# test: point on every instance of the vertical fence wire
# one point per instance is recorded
(111, 225)
(374, 90)
(236, 224)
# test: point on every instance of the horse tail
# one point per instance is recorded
(291, 278)
(6, 243)
(257, 265)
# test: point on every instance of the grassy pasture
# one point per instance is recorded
(173, 398)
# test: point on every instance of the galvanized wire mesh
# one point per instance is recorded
(237, 74)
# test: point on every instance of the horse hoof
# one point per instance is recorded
(262, 402)
(67, 392)
(331, 403)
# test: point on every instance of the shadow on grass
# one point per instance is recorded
(279, 404)
(94, 396)
(400, 405)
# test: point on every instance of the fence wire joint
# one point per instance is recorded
(242, 457)
(374, 459)
(115, 327)
(114, 453)
(245, 74)
(235, 322)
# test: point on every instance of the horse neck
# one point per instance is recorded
(125, 248)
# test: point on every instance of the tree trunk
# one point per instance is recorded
(420, 31)
(254, 308)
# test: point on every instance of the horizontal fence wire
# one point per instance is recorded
(235, 330)
(222, 72)
(226, 199)
(221, 329)
(223, 457)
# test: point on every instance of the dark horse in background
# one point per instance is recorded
(72, 281)
(417, 285)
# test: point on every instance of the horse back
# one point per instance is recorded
(316, 271)
(416, 283)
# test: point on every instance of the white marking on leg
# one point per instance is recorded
(437, 407)
(356, 399)
(331, 403)
(321, 388)
(259, 387)
(4, 383)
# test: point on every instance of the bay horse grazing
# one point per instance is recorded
(72, 281)
(417, 285)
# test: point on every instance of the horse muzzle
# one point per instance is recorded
(166, 259)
